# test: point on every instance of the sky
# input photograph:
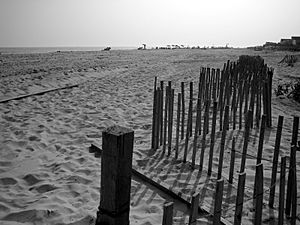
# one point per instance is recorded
(130, 23)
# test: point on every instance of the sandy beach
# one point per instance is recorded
(48, 175)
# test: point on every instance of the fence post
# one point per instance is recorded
(218, 202)
(259, 188)
(246, 140)
(198, 121)
(275, 161)
(161, 131)
(223, 140)
(178, 124)
(187, 135)
(156, 119)
(191, 112)
(212, 138)
(294, 196)
(292, 169)
(154, 114)
(194, 209)
(281, 191)
(166, 119)
(239, 199)
(170, 128)
(232, 161)
(261, 139)
(116, 166)
(183, 110)
(168, 214)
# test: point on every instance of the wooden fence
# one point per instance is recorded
(237, 97)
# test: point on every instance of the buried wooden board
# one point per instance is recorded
(37, 93)
(164, 187)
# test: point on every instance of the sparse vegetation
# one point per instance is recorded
(290, 60)
(291, 90)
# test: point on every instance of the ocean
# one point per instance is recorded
(32, 50)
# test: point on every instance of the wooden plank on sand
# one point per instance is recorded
(138, 175)
(37, 93)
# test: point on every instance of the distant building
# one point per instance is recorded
(296, 40)
(270, 45)
(286, 41)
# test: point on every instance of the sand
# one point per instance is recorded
(48, 176)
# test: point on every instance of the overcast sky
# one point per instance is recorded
(37, 23)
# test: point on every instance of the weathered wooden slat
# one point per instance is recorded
(275, 161)
(37, 93)
(239, 199)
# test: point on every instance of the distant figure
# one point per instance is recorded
(107, 49)
(142, 48)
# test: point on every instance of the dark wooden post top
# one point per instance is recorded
(116, 166)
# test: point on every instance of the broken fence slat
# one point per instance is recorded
(38, 93)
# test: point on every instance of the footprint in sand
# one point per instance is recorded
(4, 209)
(78, 179)
(8, 181)
(44, 188)
(34, 138)
(31, 179)
(5, 163)
(27, 216)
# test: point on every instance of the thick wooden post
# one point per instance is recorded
(168, 214)
(239, 199)
(275, 161)
(116, 166)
